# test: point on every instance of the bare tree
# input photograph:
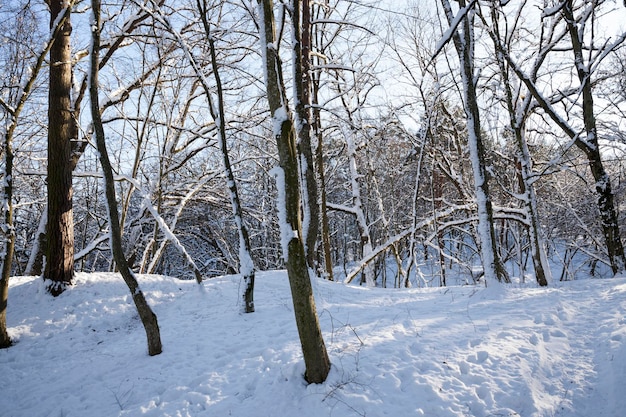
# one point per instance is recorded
(587, 139)
(148, 318)
(589, 142)
(315, 55)
(462, 35)
(313, 348)
(300, 18)
(36, 259)
(518, 110)
(246, 265)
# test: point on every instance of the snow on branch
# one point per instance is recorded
(165, 229)
(397, 238)
(92, 246)
(158, 16)
(342, 23)
(341, 207)
(450, 32)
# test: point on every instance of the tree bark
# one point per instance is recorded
(9, 237)
(6, 193)
(314, 351)
(59, 270)
(148, 318)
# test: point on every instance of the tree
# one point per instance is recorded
(62, 129)
(518, 111)
(246, 265)
(6, 152)
(314, 351)
(36, 259)
(463, 39)
(300, 18)
(585, 139)
(588, 142)
(351, 80)
(148, 318)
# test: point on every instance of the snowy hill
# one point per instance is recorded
(456, 351)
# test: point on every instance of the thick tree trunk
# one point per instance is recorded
(6, 193)
(314, 351)
(59, 270)
(148, 318)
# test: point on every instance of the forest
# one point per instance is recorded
(383, 144)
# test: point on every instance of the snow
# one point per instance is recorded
(454, 22)
(286, 231)
(280, 116)
(455, 351)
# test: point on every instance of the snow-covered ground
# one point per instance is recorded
(456, 351)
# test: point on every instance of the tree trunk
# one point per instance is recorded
(590, 147)
(8, 236)
(437, 184)
(369, 276)
(319, 157)
(323, 212)
(464, 43)
(314, 351)
(35, 260)
(302, 87)
(59, 270)
(6, 193)
(148, 318)
(246, 265)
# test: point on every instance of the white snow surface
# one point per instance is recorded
(457, 351)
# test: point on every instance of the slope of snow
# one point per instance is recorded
(456, 351)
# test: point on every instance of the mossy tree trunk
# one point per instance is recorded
(313, 348)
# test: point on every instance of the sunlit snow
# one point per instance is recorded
(456, 351)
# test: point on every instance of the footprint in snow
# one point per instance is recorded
(480, 357)
(557, 333)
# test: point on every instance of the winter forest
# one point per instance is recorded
(376, 144)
